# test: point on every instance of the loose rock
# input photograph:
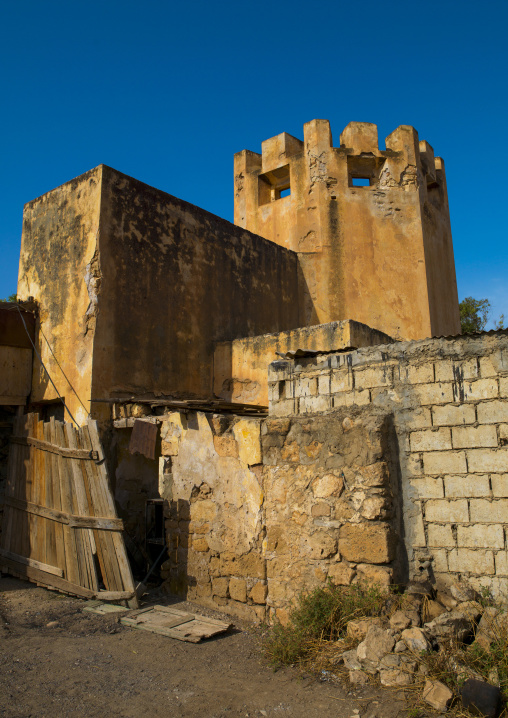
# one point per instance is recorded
(471, 609)
(396, 670)
(481, 698)
(462, 592)
(400, 620)
(420, 588)
(454, 625)
(358, 678)
(447, 600)
(351, 661)
(437, 695)
(415, 640)
(433, 609)
(378, 642)
(357, 628)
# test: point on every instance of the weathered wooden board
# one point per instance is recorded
(170, 622)
(60, 528)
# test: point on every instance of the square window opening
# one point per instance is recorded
(360, 181)
(274, 185)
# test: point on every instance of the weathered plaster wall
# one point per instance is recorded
(211, 479)
(59, 268)
(241, 366)
(381, 254)
(259, 510)
(448, 402)
(134, 288)
(176, 279)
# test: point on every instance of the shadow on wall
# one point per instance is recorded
(175, 571)
(136, 482)
(232, 387)
(391, 452)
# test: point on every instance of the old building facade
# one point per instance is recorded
(371, 449)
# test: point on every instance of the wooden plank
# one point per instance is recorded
(204, 619)
(175, 624)
(51, 550)
(104, 506)
(63, 451)
(82, 506)
(95, 522)
(31, 508)
(117, 539)
(13, 483)
(41, 498)
(115, 595)
(54, 570)
(79, 537)
(28, 528)
(78, 522)
(35, 574)
(170, 632)
(71, 557)
(104, 546)
(57, 501)
(38, 533)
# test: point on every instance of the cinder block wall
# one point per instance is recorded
(448, 400)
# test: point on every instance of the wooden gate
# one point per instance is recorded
(60, 528)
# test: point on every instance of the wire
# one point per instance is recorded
(44, 367)
(59, 366)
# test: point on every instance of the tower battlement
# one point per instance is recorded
(371, 226)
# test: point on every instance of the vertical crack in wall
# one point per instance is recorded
(93, 280)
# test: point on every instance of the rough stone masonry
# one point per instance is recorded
(380, 464)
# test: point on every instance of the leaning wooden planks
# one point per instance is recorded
(60, 524)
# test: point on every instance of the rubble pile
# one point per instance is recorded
(395, 647)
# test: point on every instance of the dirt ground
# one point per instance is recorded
(58, 661)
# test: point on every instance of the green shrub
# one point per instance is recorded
(322, 614)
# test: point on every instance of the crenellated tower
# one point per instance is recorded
(371, 227)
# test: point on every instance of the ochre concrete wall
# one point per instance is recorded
(241, 366)
(176, 279)
(381, 254)
(135, 287)
(58, 268)
(448, 402)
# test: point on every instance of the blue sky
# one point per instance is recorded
(167, 92)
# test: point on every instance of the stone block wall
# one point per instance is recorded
(448, 401)
(330, 508)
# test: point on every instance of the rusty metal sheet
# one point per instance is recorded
(144, 438)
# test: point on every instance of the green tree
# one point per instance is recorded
(10, 298)
(474, 314)
(499, 323)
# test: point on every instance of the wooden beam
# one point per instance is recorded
(55, 449)
(36, 574)
(62, 517)
(54, 570)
